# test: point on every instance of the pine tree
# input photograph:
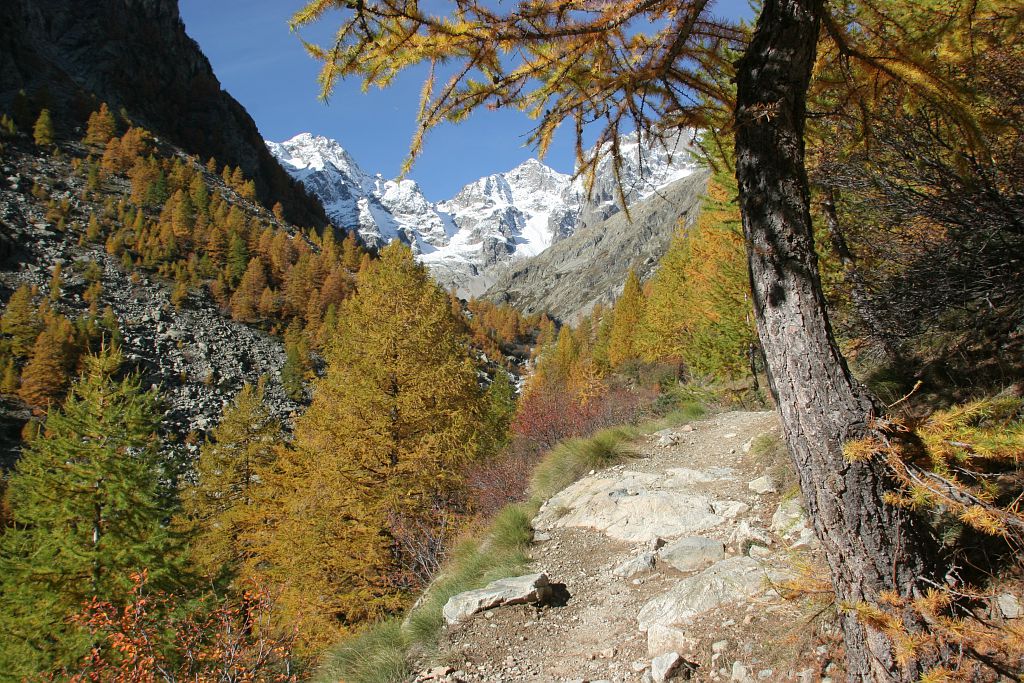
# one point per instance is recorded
(217, 509)
(101, 127)
(237, 258)
(391, 426)
(9, 380)
(85, 502)
(292, 374)
(625, 318)
(42, 132)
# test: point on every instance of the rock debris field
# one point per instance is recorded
(675, 563)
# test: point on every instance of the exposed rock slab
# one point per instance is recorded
(517, 590)
(732, 579)
(635, 507)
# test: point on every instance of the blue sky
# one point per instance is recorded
(265, 67)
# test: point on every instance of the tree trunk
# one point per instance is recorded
(870, 546)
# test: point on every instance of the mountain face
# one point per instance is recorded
(495, 221)
(68, 55)
(590, 266)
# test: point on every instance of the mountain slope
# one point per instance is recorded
(135, 55)
(589, 267)
(499, 219)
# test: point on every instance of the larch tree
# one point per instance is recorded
(87, 512)
(20, 321)
(42, 131)
(698, 306)
(44, 378)
(101, 127)
(661, 65)
(385, 442)
(217, 508)
(626, 316)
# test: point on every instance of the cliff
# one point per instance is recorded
(136, 56)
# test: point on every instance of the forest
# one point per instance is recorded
(855, 266)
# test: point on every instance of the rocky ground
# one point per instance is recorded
(674, 562)
(196, 355)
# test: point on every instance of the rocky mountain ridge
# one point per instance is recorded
(500, 219)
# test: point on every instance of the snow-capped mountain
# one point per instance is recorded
(494, 220)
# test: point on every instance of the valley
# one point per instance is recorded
(738, 397)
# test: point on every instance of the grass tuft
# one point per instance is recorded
(375, 655)
(572, 459)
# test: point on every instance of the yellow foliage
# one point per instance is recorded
(392, 425)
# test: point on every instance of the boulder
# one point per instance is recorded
(532, 588)
(730, 509)
(729, 580)
(692, 553)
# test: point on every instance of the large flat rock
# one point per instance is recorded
(634, 507)
(511, 591)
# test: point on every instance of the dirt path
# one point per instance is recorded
(691, 481)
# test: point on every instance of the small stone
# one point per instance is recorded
(662, 639)
(665, 666)
(719, 646)
(758, 551)
(1009, 606)
(763, 485)
(730, 435)
(608, 653)
(765, 674)
(739, 672)
(686, 428)
(541, 537)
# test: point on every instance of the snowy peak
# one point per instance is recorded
(492, 220)
(316, 154)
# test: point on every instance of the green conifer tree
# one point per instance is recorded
(237, 258)
(86, 511)
(499, 408)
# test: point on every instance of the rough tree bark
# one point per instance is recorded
(870, 546)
